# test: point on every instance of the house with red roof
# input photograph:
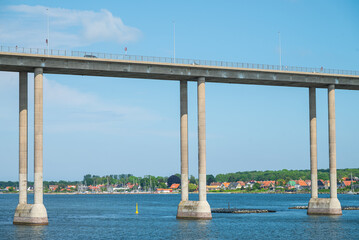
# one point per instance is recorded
(241, 184)
(175, 186)
(347, 183)
(163, 190)
(93, 188)
(71, 187)
(53, 187)
(326, 184)
(301, 184)
(225, 185)
(267, 184)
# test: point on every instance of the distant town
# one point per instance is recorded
(282, 181)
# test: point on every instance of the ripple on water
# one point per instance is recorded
(113, 217)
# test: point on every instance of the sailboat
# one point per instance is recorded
(351, 192)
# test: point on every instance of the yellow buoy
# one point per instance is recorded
(136, 208)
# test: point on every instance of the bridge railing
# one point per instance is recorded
(55, 52)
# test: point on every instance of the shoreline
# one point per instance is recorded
(129, 193)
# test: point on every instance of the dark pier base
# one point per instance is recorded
(237, 210)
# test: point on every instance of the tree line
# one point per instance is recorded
(284, 174)
(164, 182)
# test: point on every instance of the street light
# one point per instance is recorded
(174, 41)
(280, 52)
(48, 32)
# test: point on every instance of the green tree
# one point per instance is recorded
(193, 180)
(173, 179)
(222, 178)
(256, 186)
(192, 187)
(161, 179)
(281, 182)
(210, 179)
(232, 177)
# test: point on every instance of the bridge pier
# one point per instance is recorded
(31, 214)
(323, 206)
(184, 140)
(22, 143)
(198, 210)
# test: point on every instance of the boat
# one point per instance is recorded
(351, 192)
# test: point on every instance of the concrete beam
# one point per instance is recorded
(168, 71)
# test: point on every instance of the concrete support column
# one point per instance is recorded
(196, 210)
(325, 206)
(313, 141)
(33, 214)
(201, 139)
(184, 140)
(38, 136)
(23, 138)
(332, 142)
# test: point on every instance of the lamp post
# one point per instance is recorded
(174, 42)
(48, 32)
(280, 52)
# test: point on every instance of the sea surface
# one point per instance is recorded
(113, 217)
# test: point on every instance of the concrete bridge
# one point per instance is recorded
(77, 63)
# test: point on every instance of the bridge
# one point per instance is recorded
(42, 61)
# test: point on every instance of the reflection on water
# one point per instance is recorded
(324, 226)
(190, 229)
(30, 232)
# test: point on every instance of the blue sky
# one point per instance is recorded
(110, 126)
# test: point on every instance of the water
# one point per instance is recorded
(113, 217)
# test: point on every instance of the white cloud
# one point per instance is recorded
(68, 28)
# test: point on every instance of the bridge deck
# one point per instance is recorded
(169, 71)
